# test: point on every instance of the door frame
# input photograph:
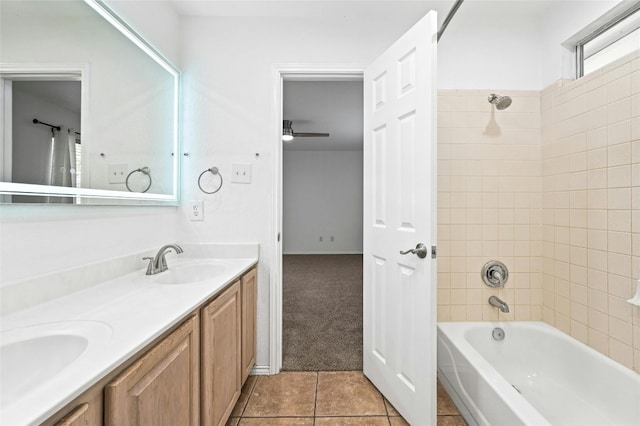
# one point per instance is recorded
(280, 73)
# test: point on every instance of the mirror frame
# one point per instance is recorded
(88, 196)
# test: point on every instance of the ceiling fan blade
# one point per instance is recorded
(310, 135)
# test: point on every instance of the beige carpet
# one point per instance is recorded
(322, 312)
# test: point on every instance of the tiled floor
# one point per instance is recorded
(324, 398)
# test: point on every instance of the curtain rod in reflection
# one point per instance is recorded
(36, 121)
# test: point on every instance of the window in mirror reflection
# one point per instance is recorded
(46, 135)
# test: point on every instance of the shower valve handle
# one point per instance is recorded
(420, 251)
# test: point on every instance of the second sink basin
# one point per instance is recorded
(190, 272)
(31, 356)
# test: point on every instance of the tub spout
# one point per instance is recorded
(495, 301)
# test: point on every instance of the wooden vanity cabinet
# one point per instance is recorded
(79, 416)
(161, 388)
(189, 376)
(221, 356)
(249, 291)
(86, 410)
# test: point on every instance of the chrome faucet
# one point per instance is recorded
(495, 301)
(158, 263)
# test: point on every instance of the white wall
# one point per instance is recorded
(511, 45)
(482, 49)
(39, 239)
(228, 100)
(322, 196)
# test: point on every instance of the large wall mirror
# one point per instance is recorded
(89, 111)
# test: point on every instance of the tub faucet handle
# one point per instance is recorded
(494, 273)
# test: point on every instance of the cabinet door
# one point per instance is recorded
(162, 388)
(249, 314)
(78, 417)
(221, 356)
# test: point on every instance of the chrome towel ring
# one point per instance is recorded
(214, 171)
(145, 171)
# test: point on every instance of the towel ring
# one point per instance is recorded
(214, 171)
(145, 171)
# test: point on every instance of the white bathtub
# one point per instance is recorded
(537, 375)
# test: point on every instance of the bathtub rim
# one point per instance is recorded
(521, 408)
(456, 328)
(453, 333)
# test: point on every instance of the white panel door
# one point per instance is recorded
(399, 213)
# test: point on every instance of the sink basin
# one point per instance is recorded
(31, 356)
(190, 273)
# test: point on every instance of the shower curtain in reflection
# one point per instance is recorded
(62, 161)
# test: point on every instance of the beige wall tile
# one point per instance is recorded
(563, 211)
(619, 111)
(619, 154)
(619, 177)
(618, 89)
(619, 132)
(621, 352)
(599, 341)
(619, 242)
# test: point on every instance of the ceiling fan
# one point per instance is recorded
(288, 134)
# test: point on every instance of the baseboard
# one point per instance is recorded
(260, 370)
(322, 252)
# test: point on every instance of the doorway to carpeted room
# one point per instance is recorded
(322, 312)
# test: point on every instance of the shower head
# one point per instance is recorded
(501, 102)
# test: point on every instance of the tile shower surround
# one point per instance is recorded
(550, 186)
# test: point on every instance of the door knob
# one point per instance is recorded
(420, 251)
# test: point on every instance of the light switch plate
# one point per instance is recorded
(117, 173)
(196, 210)
(241, 173)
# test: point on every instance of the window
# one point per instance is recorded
(618, 37)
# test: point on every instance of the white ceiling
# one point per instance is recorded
(66, 94)
(333, 107)
(357, 8)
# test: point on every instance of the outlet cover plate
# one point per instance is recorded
(241, 173)
(196, 210)
(117, 173)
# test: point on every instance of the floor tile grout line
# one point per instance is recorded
(315, 416)
(249, 397)
(386, 409)
(315, 399)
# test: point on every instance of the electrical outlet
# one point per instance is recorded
(196, 211)
(117, 173)
(241, 173)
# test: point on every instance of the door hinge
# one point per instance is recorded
(434, 252)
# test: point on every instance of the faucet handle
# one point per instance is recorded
(150, 265)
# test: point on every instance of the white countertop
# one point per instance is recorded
(135, 309)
